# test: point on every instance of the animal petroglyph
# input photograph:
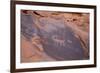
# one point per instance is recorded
(52, 36)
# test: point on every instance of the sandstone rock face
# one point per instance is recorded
(54, 36)
(60, 41)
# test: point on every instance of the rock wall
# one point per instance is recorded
(43, 31)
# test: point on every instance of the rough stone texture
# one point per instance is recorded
(49, 36)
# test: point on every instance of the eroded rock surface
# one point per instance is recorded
(54, 36)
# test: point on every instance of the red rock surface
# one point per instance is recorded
(79, 23)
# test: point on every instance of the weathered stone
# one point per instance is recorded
(60, 38)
